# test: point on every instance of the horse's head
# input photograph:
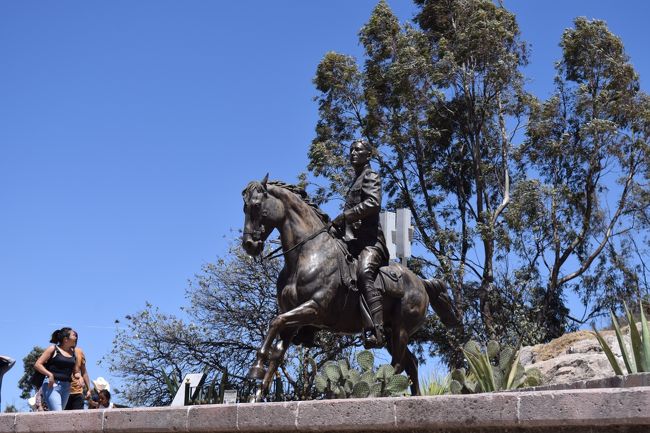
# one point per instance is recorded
(262, 212)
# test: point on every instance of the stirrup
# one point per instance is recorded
(376, 340)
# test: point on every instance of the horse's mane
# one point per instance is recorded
(300, 192)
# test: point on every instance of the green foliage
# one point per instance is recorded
(590, 134)
(494, 368)
(340, 380)
(436, 384)
(11, 408)
(173, 382)
(640, 361)
(24, 384)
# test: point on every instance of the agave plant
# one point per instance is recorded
(172, 381)
(435, 384)
(640, 361)
(340, 380)
(493, 368)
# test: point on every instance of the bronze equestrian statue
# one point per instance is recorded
(315, 289)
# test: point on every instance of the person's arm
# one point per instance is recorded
(76, 374)
(92, 404)
(39, 365)
(84, 371)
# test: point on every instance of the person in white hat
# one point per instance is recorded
(102, 399)
(101, 383)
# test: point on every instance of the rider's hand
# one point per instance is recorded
(339, 221)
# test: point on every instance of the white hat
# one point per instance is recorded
(101, 383)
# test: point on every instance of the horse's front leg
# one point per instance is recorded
(303, 314)
(276, 357)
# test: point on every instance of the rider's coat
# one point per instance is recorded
(362, 208)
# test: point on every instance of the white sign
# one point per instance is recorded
(230, 396)
(195, 380)
(403, 233)
(398, 233)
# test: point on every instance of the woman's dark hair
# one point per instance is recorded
(60, 334)
(106, 393)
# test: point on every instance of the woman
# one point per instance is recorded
(58, 364)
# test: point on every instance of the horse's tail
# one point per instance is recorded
(441, 302)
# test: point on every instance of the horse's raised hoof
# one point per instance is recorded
(256, 373)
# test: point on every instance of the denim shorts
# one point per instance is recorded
(57, 396)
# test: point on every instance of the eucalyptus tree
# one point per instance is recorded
(439, 99)
(587, 146)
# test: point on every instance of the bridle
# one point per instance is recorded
(272, 255)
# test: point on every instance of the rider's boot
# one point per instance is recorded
(375, 305)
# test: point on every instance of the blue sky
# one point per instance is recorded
(128, 130)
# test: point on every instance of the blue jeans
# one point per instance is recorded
(57, 396)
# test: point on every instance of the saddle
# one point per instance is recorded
(388, 280)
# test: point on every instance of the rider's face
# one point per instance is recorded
(359, 154)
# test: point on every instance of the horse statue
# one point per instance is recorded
(312, 292)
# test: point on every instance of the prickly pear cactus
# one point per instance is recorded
(340, 380)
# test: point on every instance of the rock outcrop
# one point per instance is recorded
(573, 357)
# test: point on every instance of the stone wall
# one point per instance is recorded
(585, 410)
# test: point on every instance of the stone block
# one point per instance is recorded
(267, 417)
(609, 382)
(355, 414)
(457, 411)
(68, 422)
(7, 421)
(212, 418)
(150, 420)
(595, 407)
(640, 379)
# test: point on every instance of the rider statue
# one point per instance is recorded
(363, 235)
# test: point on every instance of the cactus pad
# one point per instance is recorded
(361, 390)
(397, 384)
(493, 349)
(366, 360)
(332, 371)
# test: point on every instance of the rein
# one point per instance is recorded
(272, 255)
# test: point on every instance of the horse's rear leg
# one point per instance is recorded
(403, 359)
(303, 314)
(397, 347)
(411, 367)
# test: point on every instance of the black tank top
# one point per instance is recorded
(61, 366)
